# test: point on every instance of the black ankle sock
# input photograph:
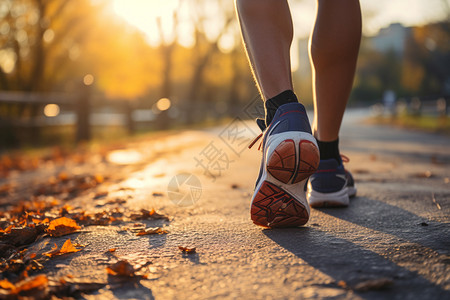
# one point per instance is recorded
(329, 150)
(271, 105)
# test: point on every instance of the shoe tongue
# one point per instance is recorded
(261, 124)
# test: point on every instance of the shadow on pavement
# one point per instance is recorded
(343, 260)
(390, 219)
(406, 155)
(131, 290)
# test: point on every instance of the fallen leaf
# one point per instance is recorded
(121, 268)
(39, 282)
(112, 250)
(67, 247)
(152, 230)
(6, 250)
(38, 221)
(187, 250)
(27, 286)
(99, 178)
(426, 174)
(63, 176)
(21, 236)
(7, 229)
(152, 214)
(6, 285)
(342, 284)
(374, 284)
(99, 195)
(62, 226)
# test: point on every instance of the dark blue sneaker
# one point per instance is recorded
(290, 156)
(331, 185)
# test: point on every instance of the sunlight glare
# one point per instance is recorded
(51, 110)
(163, 104)
(144, 14)
(124, 157)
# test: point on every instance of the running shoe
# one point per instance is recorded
(332, 185)
(289, 156)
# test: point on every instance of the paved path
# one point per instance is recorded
(395, 233)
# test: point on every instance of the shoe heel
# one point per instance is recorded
(309, 159)
(274, 207)
(284, 166)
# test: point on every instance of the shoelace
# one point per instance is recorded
(255, 140)
(262, 125)
(345, 159)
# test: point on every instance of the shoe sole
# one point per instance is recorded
(336, 199)
(279, 199)
(284, 166)
(274, 207)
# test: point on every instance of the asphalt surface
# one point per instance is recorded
(392, 242)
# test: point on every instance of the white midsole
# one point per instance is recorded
(297, 189)
(339, 197)
(351, 191)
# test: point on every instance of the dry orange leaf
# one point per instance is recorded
(112, 250)
(155, 215)
(5, 284)
(152, 230)
(187, 249)
(67, 247)
(7, 230)
(37, 221)
(63, 176)
(100, 194)
(62, 226)
(121, 268)
(99, 178)
(38, 282)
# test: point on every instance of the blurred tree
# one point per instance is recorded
(375, 73)
(206, 43)
(427, 60)
(51, 44)
(36, 38)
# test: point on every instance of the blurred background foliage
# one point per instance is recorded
(193, 56)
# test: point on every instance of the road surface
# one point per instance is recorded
(392, 242)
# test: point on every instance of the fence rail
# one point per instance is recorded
(37, 98)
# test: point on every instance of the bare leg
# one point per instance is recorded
(334, 46)
(267, 31)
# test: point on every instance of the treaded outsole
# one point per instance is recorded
(274, 207)
(284, 165)
(328, 204)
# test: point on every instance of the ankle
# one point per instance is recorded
(329, 150)
(271, 105)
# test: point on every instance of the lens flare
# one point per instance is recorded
(51, 110)
(163, 104)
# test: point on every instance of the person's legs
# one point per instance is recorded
(290, 152)
(334, 49)
(266, 27)
(334, 46)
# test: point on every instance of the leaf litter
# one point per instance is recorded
(44, 213)
(62, 226)
(67, 247)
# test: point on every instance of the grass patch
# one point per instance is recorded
(425, 123)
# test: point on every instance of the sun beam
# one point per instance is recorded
(144, 14)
